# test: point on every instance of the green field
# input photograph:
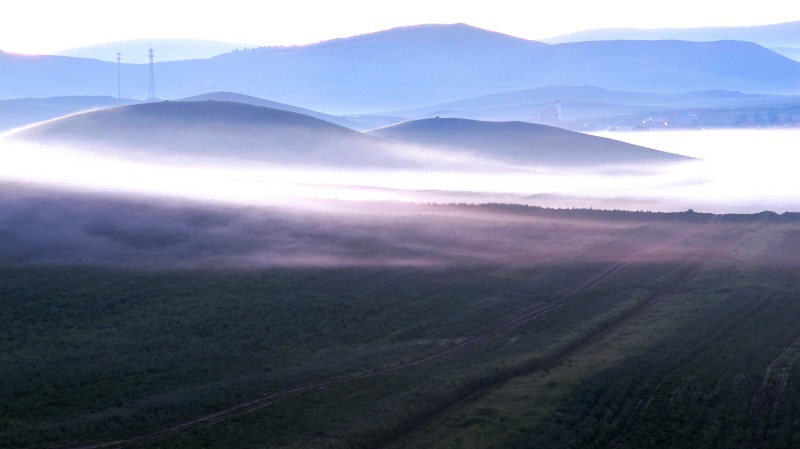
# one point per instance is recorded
(523, 328)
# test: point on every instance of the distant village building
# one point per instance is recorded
(655, 123)
(551, 116)
(684, 120)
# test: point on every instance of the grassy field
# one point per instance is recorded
(519, 327)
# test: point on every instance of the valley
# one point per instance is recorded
(392, 347)
(418, 236)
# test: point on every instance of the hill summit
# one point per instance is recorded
(215, 129)
(521, 143)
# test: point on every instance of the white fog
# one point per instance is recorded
(740, 171)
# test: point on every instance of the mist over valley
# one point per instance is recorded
(244, 154)
(431, 236)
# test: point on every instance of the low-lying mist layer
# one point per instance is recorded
(252, 133)
(744, 172)
(244, 154)
(46, 227)
(362, 322)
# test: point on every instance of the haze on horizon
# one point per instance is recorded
(46, 26)
(727, 178)
(122, 209)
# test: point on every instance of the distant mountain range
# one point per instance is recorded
(135, 51)
(25, 111)
(789, 52)
(581, 108)
(592, 107)
(417, 66)
(221, 129)
(782, 38)
(596, 95)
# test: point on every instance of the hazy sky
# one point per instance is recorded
(47, 26)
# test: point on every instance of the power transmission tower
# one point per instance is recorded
(119, 77)
(151, 91)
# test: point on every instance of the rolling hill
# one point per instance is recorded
(416, 66)
(231, 130)
(520, 143)
(247, 99)
(215, 129)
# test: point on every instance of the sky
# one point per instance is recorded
(49, 26)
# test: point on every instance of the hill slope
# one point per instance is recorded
(255, 101)
(521, 143)
(218, 129)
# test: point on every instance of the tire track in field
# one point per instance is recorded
(518, 320)
(683, 276)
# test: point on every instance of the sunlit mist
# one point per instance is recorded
(744, 170)
(741, 171)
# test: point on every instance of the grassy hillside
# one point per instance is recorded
(521, 143)
(246, 99)
(599, 329)
(221, 129)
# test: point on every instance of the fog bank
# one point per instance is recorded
(742, 172)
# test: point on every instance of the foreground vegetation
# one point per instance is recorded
(664, 330)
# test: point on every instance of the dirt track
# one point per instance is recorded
(524, 317)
